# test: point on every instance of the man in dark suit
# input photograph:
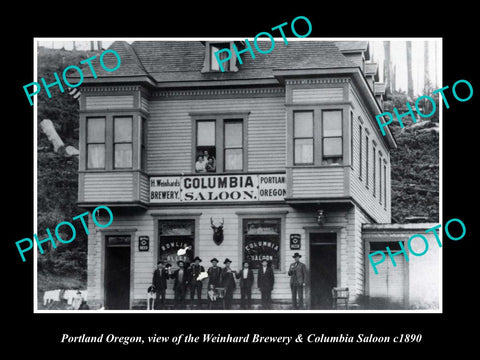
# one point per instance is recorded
(298, 280)
(180, 285)
(246, 281)
(214, 274)
(195, 285)
(159, 281)
(265, 282)
(228, 282)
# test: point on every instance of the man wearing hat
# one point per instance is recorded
(228, 282)
(246, 281)
(194, 271)
(298, 279)
(214, 273)
(159, 281)
(265, 281)
(180, 285)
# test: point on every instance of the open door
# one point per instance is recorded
(117, 273)
(323, 269)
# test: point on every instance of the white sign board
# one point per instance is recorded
(217, 188)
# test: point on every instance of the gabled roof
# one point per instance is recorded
(173, 61)
(130, 63)
(353, 47)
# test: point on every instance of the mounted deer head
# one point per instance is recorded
(217, 232)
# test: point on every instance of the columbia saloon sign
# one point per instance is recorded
(217, 188)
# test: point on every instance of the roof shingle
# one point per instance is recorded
(167, 61)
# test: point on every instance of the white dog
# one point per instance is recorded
(150, 297)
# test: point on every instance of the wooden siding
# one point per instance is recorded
(144, 104)
(317, 95)
(316, 182)
(109, 102)
(170, 139)
(295, 221)
(359, 191)
(108, 186)
(144, 188)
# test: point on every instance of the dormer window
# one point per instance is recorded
(211, 64)
(214, 65)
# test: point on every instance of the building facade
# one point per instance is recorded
(277, 155)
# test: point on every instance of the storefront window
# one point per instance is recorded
(173, 236)
(261, 241)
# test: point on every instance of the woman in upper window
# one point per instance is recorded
(200, 164)
(210, 165)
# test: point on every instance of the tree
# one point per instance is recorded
(409, 70)
(387, 67)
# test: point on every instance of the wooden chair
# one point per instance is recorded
(340, 297)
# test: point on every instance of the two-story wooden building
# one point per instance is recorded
(283, 150)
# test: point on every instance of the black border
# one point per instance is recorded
(459, 174)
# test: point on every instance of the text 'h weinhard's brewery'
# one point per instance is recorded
(281, 150)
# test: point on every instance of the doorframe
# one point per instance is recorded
(112, 232)
(325, 229)
(406, 272)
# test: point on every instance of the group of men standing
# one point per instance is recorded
(225, 279)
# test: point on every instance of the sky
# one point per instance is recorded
(397, 48)
(399, 58)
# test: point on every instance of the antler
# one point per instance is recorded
(222, 222)
(211, 221)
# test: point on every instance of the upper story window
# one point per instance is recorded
(122, 142)
(385, 186)
(351, 139)
(360, 151)
(380, 176)
(233, 149)
(220, 143)
(332, 137)
(143, 149)
(374, 167)
(366, 160)
(214, 47)
(303, 137)
(206, 150)
(96, 143)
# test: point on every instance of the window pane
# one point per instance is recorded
(303, 124)
(261, 241)
(206, 133)
(173, 236)
(332, 123)
(233, 159)
(303, 151)
(96, 156)
(96, 130)
(123, 155)
(332, 146)
(222, 56)
(123, 129)
(233, 134)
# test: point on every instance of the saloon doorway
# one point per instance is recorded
(117, 272)
(323, 269)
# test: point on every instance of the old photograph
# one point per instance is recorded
(218, 174)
